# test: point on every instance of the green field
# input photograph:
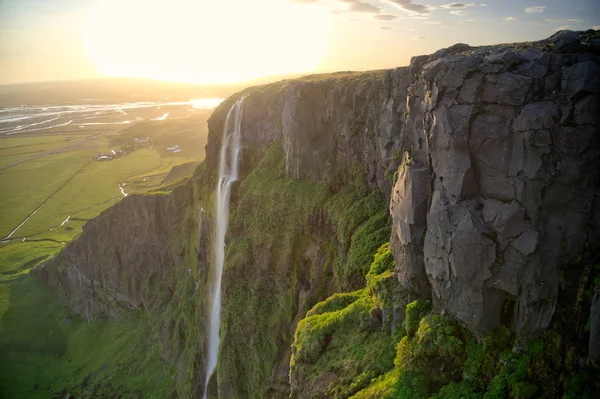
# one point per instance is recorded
(54, 182)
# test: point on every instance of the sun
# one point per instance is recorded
(201, 41)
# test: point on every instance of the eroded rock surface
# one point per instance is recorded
(496, 154)
(515, 187)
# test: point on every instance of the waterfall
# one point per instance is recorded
(228, 173)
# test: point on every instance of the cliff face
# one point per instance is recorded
(148, 253)
(122, 257)
(329, 126)
(487, 158)
(498, 153)
(501, 184)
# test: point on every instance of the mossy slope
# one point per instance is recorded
(290, 244)
(343, 350)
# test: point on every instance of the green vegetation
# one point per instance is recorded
(345, 338)
(435, 357)
(290, 244)
(45, 350)
(341, 342)
(70, 181)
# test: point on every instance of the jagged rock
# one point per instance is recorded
(409, 200)
(506, 147)
(122, 257)
(566, 41)
(505, 88)
(583, 77)
(397, 318)
(526, 242)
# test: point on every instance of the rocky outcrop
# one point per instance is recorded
(148, 253)
(511, 147)
(594, 342)
(495, 150)
(123, 257)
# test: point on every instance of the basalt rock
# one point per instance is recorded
(495, 150)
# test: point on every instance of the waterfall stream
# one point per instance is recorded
(228, 173)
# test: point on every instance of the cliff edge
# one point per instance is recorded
(479, 165)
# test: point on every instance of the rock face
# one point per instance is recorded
(594, 343)
(496, 152)
(148, 253)
(121, 259)
(512, 156)
(330, 126)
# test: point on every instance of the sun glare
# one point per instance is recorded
(205, 41)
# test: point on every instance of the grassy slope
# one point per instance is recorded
(37, 347)
(279, 231)
(432, 356)
(44, 350)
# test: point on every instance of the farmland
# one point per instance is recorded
(52, 183)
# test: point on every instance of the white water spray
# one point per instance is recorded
(228, 173)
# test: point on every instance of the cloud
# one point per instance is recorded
(419, 37)
(432, 22)
(458, 12)
(561, 21)
(363, 7)
(408, 5)
(535, 9)
(561, 28)
(384, 28)
(454, 5)
(511, 19)
(596, 27)
(386, 17)
(483, 5)
(304, 1)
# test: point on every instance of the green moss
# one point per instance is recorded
(582, 385)
(461, 390)
(290, 244)
(365, 241)
(414, 313)
(382, 260)
(335, 302)
(340, 341)
(424, 363)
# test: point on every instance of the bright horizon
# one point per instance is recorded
(229, 41)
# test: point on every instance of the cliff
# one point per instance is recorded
(498, 154)
(479, 165)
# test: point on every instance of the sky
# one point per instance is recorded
(223, 41)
